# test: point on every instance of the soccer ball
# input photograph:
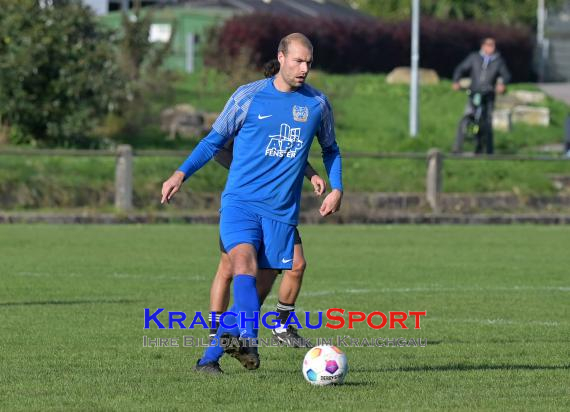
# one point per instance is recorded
(325, 365)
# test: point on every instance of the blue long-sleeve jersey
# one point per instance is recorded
(273, 132)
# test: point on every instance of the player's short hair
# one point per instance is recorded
(488, 39)
(299, 37)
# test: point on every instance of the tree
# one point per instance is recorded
(510, 12)
(140, 62)
(58, 72)
(138, 56)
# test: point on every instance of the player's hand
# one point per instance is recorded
(319, 185)
(331, 204)
(171, 186)
(456, 86)
(501, 88)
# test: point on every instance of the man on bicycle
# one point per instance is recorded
(488, 73)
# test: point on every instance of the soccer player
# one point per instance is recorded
(273, 122)
(292, 279)
(290, 284)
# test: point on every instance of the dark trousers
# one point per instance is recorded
(484, 139)
(567, 135)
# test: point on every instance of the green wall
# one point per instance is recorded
(185, 20)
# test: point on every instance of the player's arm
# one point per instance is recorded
(225, 127)
(225, 156)
(331, 159)
(319, 184)
(201, 154)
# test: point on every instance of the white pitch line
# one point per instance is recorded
(46, 274)
(159, 277)
(197, 278)
(434, 290)
(318, 293)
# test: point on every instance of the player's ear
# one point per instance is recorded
(281, 58)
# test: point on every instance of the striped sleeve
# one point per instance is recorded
(326, 133)
(327, 139)
(230, 121)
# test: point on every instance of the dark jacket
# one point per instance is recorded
(483, 76)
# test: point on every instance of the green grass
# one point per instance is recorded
(72, 301)
(372, 116)
(39, 182)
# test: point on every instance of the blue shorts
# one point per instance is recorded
(274, 241)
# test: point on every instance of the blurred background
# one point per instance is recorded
(100, 100)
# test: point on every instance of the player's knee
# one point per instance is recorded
(243, 264)
(225, 277)
(225, 271)
(299, 267)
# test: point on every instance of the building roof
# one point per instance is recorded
(301, 8)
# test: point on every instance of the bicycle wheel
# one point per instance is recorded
(467, 132)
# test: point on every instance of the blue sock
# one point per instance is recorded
(246, 303)
(214, 353)
(229, 320)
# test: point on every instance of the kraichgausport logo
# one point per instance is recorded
(333, 318)
(233, 341)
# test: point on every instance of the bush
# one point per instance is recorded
(367, 46)
(58, 76)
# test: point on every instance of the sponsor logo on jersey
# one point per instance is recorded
(286, 143)
(300, 113)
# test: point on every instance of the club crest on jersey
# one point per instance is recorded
(286, 143)
(300, 113)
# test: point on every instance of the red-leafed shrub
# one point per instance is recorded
(367, 45)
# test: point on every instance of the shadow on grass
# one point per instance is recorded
(359, 383)
(464, 367)
(69, 302)
(268, 373)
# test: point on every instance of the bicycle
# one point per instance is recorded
(472, 123)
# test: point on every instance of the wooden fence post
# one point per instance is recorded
(124, 178)
(434, 180)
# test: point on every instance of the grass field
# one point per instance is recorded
(497, 324)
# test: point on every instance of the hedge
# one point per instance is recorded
(367, 45)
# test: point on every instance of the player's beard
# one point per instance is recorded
(296, 81)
